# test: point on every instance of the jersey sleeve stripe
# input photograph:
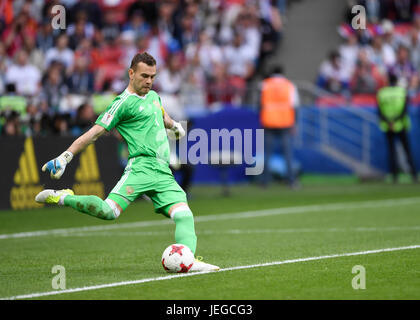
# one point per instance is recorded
(117, 103)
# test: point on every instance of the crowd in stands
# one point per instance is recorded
(390, 44)
(56, 81)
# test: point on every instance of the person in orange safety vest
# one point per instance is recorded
(279, 101)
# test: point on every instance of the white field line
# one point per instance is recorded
(225, 216)
(241, 232)
(125, 283)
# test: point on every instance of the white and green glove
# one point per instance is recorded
(57, 166)
(176, 132)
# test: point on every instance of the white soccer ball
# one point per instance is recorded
(177, 258)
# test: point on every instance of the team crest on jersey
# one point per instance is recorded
(129, 189)
(107, 118)
(141, 108)
(156, 103)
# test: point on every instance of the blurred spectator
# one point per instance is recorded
(238, 59)
(35, 55)
(169, 82)
(167, 22)
(170, 78)
(332, 74)
(128, 44)
(60, 53)
(364, 36)
(416, 22)
(108, 60)
(80, 30)
(60, 124)
(11, 126)
(81, 81)
(366, 78)
(381, 54)
(390, 37)
(219, 89)
(54, 88)
(349, 50)
(207, 53)
(5, 62)
(282, 7)
(248, 25)
(188, 31)
(6, 12)
(85, 50)
(84, 118)
(269, 12)
(157, 44)
(404, 70)
(137, 24)
(269, 40)
(110, 29)
(92, 10)
(413, 44)
(373, 10)
(25, 76)
(401, 10)
(23, 26)
(193, 94)
(45, 36)
(34, 119)
(270, 27)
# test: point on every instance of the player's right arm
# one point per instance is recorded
(105, 122)
(57, 166)
(86, 139)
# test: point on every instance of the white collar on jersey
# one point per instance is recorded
(135, 94)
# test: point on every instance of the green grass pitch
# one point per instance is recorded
(251, 227)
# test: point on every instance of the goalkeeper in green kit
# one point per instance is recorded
(139, 117)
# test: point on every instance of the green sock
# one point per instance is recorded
(91, 205)
(184, 229)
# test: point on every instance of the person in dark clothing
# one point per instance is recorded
(395, 122)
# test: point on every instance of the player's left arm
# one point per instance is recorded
(173, 125)
(167, 120)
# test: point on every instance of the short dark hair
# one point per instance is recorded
(393, 79)
(142, 57)
(277, 69)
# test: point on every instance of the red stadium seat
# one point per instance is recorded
(331, 101)
(117, 7)
(415, 101)
(363, 100)
(402, 28)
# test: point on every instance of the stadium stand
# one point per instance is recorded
(360, 65)
(207, 53)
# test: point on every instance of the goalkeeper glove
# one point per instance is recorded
(176, 132)
(57, 166)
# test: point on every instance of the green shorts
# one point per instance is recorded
(146, 175)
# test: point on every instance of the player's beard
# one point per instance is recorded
(146, 90)
(141, 91)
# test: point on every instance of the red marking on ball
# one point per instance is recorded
(163, 264)
(184, 268)
(176, 249)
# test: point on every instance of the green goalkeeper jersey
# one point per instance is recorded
(139, 120)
